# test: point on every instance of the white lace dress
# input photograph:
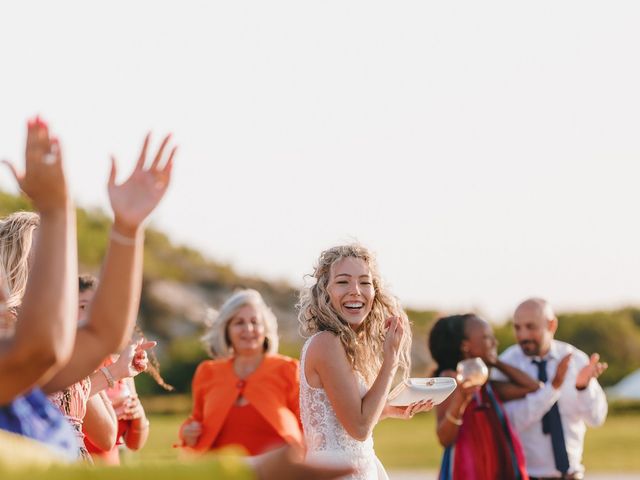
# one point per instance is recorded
(327, 440)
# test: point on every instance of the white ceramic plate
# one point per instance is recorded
(417, 389)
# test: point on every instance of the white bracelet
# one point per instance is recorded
(122, 239)
(107, 374)
(452, 419)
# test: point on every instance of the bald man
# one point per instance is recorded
(552, 421)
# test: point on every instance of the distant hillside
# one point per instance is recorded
(179, 282)
(181, 285)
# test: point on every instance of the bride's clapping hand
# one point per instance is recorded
(133, 200)
(393, 339)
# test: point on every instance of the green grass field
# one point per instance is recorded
(413, 445)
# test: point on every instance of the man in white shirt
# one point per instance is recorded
(551, 422)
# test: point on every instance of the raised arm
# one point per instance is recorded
(526, 411)
(293, 396)
(114, 308)
(592, 402)
(450, 412)
(100, 422)
(131, 361)
(46, 319)
(192, 427)
(518, 383)
(327, 358)
(138, 432)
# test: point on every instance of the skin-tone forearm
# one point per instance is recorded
(114, 308)
(453, 408)
(99, 382)
(110, 322)
(131, 361)
(517, 376)
(46, 319)
(45, 328)
(137, 434)
(375, 401)
(100, 422)
(121, 278)
(358, 415)
(51, 295)
(447, 431)
(519, 385)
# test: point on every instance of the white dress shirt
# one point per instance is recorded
(578, 408)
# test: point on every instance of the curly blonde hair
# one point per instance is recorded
(216, 340)
(16, 237)
(364, 346)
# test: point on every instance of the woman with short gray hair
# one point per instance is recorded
(247, 395)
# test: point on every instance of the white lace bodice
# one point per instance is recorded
(325, 437)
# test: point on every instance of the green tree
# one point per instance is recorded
(614, 335)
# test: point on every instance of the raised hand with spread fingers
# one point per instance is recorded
(45, 326)
(43, 180)
(133, 200)
(114, 308)
(593, 369)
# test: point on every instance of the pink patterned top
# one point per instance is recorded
(72, 402)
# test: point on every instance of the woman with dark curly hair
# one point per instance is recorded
(472, 426)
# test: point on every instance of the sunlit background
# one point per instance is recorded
(485, 151)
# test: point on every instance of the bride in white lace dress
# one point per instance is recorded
(360, 339)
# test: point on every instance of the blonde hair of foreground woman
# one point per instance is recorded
(16, 237)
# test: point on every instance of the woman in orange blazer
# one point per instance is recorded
(248, 394)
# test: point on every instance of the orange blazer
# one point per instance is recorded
(273, 390)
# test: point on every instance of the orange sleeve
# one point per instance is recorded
(197, 393)
(293, 398)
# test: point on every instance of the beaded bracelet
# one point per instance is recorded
(107, 374)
